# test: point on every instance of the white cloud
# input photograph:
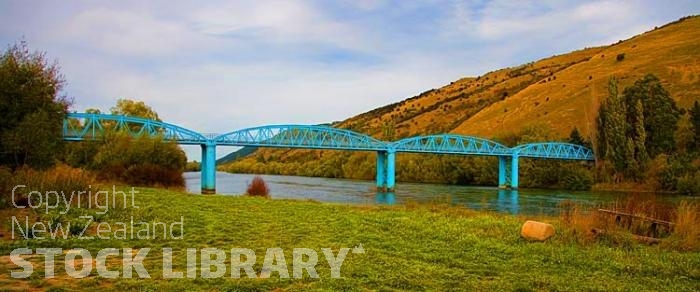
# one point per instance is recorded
(281, 21)
(128, 33)
(513, 20)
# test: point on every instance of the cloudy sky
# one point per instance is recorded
(217, 66)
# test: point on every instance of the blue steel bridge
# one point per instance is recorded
(87, 127)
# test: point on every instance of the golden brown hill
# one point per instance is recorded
(560, 92)
(556, 94)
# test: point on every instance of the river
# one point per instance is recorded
(524, 201)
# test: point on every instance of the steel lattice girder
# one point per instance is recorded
(451, 144)
(554, 150)
(300, 136)
(84, 126)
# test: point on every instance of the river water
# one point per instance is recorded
(524, 201)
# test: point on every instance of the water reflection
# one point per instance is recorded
(508, 201)
(385, 198)
(524, 201)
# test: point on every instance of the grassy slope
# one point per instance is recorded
(554, 93)
(433, 248)
(671, 53)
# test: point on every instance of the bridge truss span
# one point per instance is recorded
(300, 136)
(554, 150)
(451, 144)
(85, 126)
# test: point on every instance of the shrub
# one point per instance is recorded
(148, 174)
(578, 179)
(689, 184)
(193, 166)
(140, 161)
(258, 188)
(620, 57)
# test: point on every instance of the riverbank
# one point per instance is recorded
(408, 247)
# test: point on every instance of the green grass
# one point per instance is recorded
(406, 248)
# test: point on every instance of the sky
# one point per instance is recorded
(219, 66)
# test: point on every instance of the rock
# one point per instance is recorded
(537, 231)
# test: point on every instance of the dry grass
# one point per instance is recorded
(586, 225)
(60, 178)
(579, 221)
(686, 231)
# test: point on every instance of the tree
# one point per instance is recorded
(695, 127)
(93, 111)
(614, 127)
(31, 109)
(133, 108)
(601, 140)
(640, 137)
(134, 160)
(660, 113)
(576, 138)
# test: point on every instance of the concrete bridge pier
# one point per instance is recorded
(381, 171)
(208, 166)
(386, 169)
(508, 172)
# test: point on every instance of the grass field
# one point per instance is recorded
(406, 248)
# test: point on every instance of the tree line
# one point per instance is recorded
(638, 138)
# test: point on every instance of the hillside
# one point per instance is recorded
(559, 92)
(554, 94)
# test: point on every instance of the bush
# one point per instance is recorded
(142, 161)
(148, 174)
(193, 166)
(578, 179)
(620, 57)
(679, 174)
(258, 188)
(689, 184)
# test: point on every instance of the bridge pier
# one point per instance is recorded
(381, 170)
(508, 172)
(390, 170)
(208, 180)
(502, 176)
(514, 172)
(386, 179)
